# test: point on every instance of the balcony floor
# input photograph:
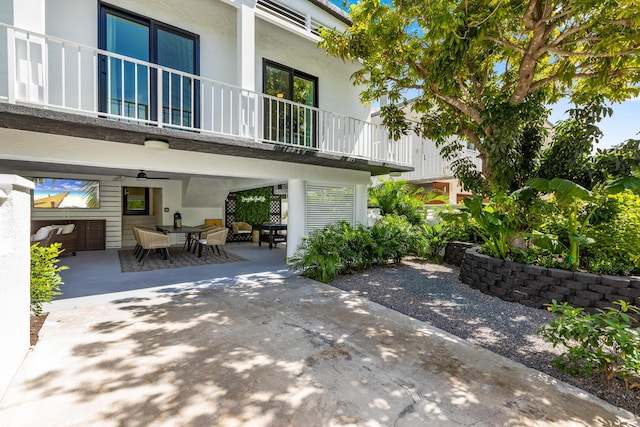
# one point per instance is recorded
(60, 123)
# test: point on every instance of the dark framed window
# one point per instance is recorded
(135, 201)
(128, 88)
(284, 121)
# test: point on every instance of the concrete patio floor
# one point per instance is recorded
(272, 351)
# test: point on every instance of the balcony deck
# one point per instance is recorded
(58, 83)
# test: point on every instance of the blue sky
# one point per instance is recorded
(623, 125)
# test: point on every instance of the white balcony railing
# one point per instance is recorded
(60, 75)
(429, 165)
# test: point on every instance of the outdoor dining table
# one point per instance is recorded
(186, 229)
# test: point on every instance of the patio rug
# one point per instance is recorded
(179, 257)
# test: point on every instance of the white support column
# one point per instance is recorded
(246, 41)
(296, 218)
(362, 197)
(29, 15)
(15, 264)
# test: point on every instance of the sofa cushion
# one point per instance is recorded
(42, 233)
(68, 229)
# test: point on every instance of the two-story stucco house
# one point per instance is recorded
(214, 96)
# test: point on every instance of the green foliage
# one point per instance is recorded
(342, 248)
(253, 206)
(394, 238)
(397, 197)
(45, 277)
(573, 202)
(569, 155)
(602, 342)
(616, 230)
(484, 71)
(491, 225)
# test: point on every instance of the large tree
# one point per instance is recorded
(485, 70)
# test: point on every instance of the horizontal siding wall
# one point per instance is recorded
(110, 210)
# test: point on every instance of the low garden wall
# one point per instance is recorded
(454, 252)
(535, 286)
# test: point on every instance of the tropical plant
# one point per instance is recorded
(397, 197)
(601, 342)
(576, 204)
(491, 225)
(45, 275)
(395, 238)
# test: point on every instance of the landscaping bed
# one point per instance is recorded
(433, 293)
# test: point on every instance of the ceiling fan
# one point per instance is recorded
(142, 176)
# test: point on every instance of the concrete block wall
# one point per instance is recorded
(454, 252)
(15, 263)
(535, 286)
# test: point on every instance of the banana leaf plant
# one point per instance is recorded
(491, 225)
(571, 200)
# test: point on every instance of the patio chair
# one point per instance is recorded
(136, 235)
(214, 239)
(241, 230)
(149, 240)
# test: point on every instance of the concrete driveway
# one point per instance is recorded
(282, 352)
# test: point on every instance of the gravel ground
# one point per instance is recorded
(433, 293)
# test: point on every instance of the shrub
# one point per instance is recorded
(394, 239)
(341, 248)
(604, 341)
(45, 277)
(616, 233)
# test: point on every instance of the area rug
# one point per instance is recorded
(179, 258)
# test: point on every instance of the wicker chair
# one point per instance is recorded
(149, 240)
(241, 230)
(215, 239)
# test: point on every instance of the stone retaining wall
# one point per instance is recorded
(535, 286)
(454, 252)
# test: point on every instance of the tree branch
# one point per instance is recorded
(458, 104)
(569, 54)
(506, 44)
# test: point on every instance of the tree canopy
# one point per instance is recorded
(484, 71)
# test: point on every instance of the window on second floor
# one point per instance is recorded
(127, 88)
(284, 121)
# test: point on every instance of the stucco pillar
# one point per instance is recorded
(15, 264)
(362, 197)
(296, 218)
(246, 41)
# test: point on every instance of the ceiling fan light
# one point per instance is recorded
(156, 144)
(142, 176)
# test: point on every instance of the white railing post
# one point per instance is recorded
(11, 64)
(159, 118)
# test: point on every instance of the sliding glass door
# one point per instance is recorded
(128, 89)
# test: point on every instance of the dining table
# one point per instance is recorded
(188, 230)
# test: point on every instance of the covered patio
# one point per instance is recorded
(95, 277)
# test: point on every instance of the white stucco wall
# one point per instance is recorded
(335, 91)
(15, 204)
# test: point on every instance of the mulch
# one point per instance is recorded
(35, 326)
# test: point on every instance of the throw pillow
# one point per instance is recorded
(68, 228)
(42, 233)
(58, 227)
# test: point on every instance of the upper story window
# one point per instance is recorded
(130, 89)
(284, 121)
